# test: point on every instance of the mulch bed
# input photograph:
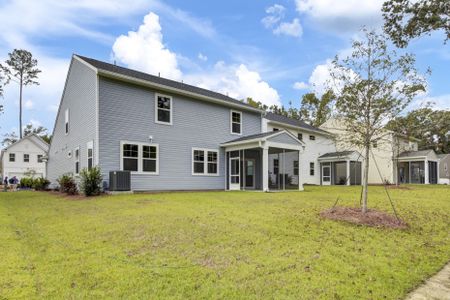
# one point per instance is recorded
(74, 197)
(372, 217)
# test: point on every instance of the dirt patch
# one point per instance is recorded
(77, 197)
(372, 217)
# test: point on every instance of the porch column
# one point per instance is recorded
(265, 169)
(409, 172)
(427, 172)
(300, 178)
(348, 172)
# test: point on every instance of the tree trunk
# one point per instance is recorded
(20, 107)
(365, 180)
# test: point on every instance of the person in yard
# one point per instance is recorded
(5, 181)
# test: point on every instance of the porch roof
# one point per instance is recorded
(340, 156)
(418, 155)
(276, 139)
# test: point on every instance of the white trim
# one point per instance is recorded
(231, 122)
(85, 63)
(205, 162)
(97, 120)
(170, 110)
(329, 176)
(235, 186)
(322, 132)
(140, 157)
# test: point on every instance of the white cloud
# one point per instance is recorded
(300, 85)
(28, 104)
(144, 50)
(202, 57)
(275, 14)
(293, 29)
(437, 102)
(338, 16)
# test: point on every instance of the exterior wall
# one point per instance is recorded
(313, 149)
(127, 112)
(80, 97)
(19, 168)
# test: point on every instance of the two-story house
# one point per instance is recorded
(169, 135)
(25, 158)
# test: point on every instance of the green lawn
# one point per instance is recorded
(218, 245)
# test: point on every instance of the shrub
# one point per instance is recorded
(91, 181)
(26, 182)
(67, 184)
(40, 184)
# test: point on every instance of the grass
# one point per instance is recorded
(218, 245)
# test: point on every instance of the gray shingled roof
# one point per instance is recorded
(415, 153)
(159, 80)
(293, 122)
(442, 155)
(337, 154)
(253, 136)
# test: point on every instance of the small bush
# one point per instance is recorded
(91, 181)
(67, 184)
(26, 182)
(41, 184)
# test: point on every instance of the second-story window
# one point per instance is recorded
(312, 137)
(12, 157)
(66, 121)
(236, 122)
(163, 109)
(26, 158)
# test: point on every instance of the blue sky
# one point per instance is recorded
(273, 51)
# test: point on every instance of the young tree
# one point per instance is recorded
(372, 85)
(2, 78)
(315, 110)
(407, 19)
(21, 67)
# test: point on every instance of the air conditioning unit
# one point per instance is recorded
(119, 181)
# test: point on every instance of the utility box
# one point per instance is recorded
(119, 181)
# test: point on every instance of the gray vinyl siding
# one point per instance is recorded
(126, 112)
(284, 138)
(79, 97)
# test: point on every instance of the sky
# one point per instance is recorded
(272, 51)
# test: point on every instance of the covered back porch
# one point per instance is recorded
(418, 167)
(265, 162)
(341, 168)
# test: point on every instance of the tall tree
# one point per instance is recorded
(29, 129)
(315, 110)
(372, 85)
(408, 19)
(2, 78)
(21, 67)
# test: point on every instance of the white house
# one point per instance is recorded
(25, 158)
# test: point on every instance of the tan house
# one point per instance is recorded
(395, 157)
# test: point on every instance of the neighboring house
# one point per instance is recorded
(444, 168)
(395, 157)
(25, 158)
(169, 135)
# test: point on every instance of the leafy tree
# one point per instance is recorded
(316, 110)
(372, 85)
(408, 19)
(431, 126)
(21, 67)
(2, 78)
(40, 131)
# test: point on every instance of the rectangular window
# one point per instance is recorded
(296, 167)
(205, 162)
(39, 158)
(90, 155)
(300, 136)
(236, 122)
(149, 158)
(276, 129)
(66, 121)
(26, 158)
(12, 157)
(130, 154)
(312, 137)
(276, 166)
(374, 144)
(163, 109)
(77, 160)
(311, 168)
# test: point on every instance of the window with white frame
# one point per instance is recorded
(300, 136)
(295, 167)
(12, 157)
(66, 121)
(276, 166)
(39, 158)
(26, 158)
(90, 154)
(77, 160)
(139, 157)
(236, 122)
(312, 137)
(163, 109)
(311, 168)
(205, 162)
